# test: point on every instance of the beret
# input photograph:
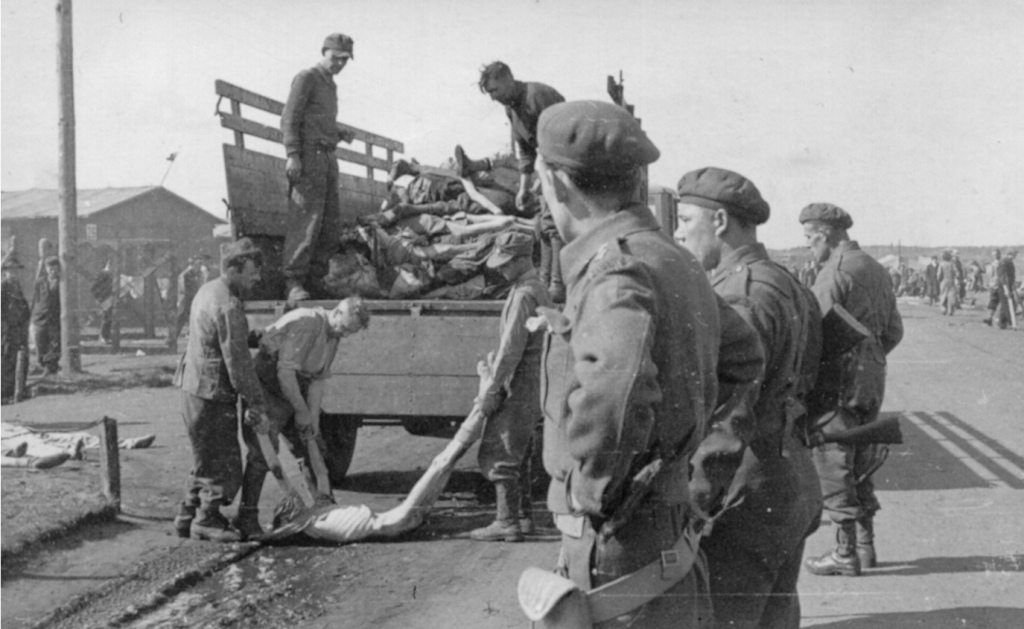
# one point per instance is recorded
(508, 246)
(242, 248)
(716, 187)
(826, 213)
(341, 43)
(594, 137)
(11, 260)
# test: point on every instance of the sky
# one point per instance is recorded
(907, 114)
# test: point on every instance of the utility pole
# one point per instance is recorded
(67, 240)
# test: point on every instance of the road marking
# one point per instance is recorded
(920, 362)
(980, 446)
(983, 472)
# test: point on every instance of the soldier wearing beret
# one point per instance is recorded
(311, 135)
(630, 379)
(512, 402)
(214, 371)
(851, 385)
(524, 102)
(15, 319)
(754, 550)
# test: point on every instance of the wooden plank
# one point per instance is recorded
(264, 132)
(236, 109)
(252, 99)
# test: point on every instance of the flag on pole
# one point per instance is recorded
(172, 156)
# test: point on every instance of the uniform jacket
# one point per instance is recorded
(530, 101)
(15, 316)
(630, 367)
(855, 280)
(518, 354)
(46, 303)
(310, 114)
(216, 364)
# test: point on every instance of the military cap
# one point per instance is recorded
(341, 43)
(826, 213)
(11, 260)
(594, 137)
(52, 261)
(508, 246)
(714, 188)
(243, 248)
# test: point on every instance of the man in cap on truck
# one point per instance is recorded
(850, 385)
(512, 403)
(311, 134)
(215, 370)
(524, 102)
(629, 377)
(293, 364)
(754, 550)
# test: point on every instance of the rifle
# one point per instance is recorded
(882, 431)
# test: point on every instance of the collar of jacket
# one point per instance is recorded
(324, 74)
(629, 220)
(234, 292)
(738, 258)
(837, 254)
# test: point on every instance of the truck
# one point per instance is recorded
(415, 366)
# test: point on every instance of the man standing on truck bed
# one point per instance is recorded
(512, 403)
(629, 376)
(293, 364)
(311, 134)
(524, 102)
(214, 371)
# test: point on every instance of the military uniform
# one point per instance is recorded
(310, 132)
(45, 325)
(214, 371)
(189, 282)
(15, 320)
(851, 385)
(506, 441)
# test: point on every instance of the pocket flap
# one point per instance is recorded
(540, 591)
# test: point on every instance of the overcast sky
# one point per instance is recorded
(908, 114)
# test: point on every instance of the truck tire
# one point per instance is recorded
(339, 433)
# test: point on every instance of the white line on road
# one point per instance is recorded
(995, 457)
(983, 472)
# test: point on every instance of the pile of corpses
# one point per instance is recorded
(431, 238)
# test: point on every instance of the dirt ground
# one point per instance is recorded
(949, 540)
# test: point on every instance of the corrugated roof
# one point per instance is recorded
(38, 203)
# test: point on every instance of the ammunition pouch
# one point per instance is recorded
(552, 601)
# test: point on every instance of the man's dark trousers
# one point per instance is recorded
(47, 338)
(314, 220)
(217, 464)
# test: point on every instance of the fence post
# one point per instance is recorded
(110, 464)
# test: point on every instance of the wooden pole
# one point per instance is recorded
(66, 223)
(110, 464)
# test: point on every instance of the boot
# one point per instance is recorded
(991, 315)
(248, 522)
(556, 288)
(525, 494)
(843, 559)
(401, 168)
(183, 521)
(465, 166)
(866, 542)
(505, 527)
(211, 525)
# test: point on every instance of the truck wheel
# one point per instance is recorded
(339, 433)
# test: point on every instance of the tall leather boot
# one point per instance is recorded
(465, 166)
(842, 560)
(556, 289)
(505, 527)
(866, 542)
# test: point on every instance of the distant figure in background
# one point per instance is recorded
(977, 277)
(811, 273)
(1004, 281)
(948, 284)
(961, 278)
(15, 320)
(46, 317)
(102, 290)
(189, 281)
(931, 280)
(894, 274)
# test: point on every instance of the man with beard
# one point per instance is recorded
(754, 550)
(851, 385)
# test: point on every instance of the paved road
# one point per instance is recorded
(949, 539)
